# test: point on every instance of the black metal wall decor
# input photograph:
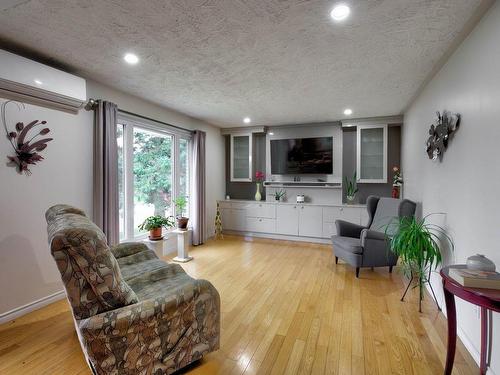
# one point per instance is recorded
(26, 146)
(440, 133)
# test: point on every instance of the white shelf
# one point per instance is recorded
(303, 184)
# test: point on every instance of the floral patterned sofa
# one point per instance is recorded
(134, 314)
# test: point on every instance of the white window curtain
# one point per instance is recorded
(106, 170)
(198, 188)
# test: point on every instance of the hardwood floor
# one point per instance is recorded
(286, 309)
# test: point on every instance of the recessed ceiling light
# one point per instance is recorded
(347, 111)
(340, 12)
(38, 82)
(271, 133)
(247, 120)
(131, 58)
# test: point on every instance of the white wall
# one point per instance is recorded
(466, 184)
(27, 270)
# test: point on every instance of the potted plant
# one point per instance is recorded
(417, 243)
(279, 195)
(180, 206)
(154, 225)
(397, 182)
(351, 188)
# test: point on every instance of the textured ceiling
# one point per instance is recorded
(277, 61)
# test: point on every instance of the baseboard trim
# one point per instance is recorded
(284, 237)
(32, 306)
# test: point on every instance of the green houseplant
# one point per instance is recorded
(180, 206)
(418, 243)
(279, 195)
(154, 224)
(351, 187)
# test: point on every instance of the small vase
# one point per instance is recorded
(350, 199)
(258, 197)
(480, 263)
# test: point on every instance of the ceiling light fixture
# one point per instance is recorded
(247, 120)
(340, 12)
(38, 82)
(347, 111)
(271, 133)
(131, 59)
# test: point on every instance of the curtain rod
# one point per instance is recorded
(152, 119)
(92, 104)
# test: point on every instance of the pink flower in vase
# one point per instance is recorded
(259, 176)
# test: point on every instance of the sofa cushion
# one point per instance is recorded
(161, 281)
(349, 244)
(387, 211)
(139, 264)
(90, 272)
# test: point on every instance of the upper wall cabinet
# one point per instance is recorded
(372, 153)
(241, 157)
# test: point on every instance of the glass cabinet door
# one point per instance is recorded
(372, 153)
(241, 157)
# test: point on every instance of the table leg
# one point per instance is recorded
(452, 330)
(484, 339)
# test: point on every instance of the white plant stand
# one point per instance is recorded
(156, 246)
(182, 246)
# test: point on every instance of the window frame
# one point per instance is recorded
(129, 122)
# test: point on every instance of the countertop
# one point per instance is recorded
(294, 203)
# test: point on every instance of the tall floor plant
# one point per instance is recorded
(418, 243)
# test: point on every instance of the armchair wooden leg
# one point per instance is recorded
(390, 269)
(357, 272)
(336, 260)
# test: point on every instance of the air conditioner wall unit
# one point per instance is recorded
(29, 81)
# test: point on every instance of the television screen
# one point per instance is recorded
(302, 156)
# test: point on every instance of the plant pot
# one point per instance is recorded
(350, 199)
(182, 223)
(155, 234)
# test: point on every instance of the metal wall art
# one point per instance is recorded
(26, 146)
(440, 133)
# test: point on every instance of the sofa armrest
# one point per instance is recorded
(127, 248)
(147, 333)
(347, 229)
(367, 234)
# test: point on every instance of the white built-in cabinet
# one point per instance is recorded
(371, 150)
(310, 221)
(288, 219)
(241, 157)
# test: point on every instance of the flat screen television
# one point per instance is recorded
(302, 156)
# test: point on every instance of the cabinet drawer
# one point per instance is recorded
(224, 204)
(350, 214)
(233, 219)
(261, 224)
(262, 210)
(239, 205)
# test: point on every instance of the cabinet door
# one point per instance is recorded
(351, 214)
(225, 214)
(372, 153)
(329, 229)
(233, 219)
(239, 219)
(310, 221)
(241, 157)
(287, 219)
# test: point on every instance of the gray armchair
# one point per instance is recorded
(368, 246)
